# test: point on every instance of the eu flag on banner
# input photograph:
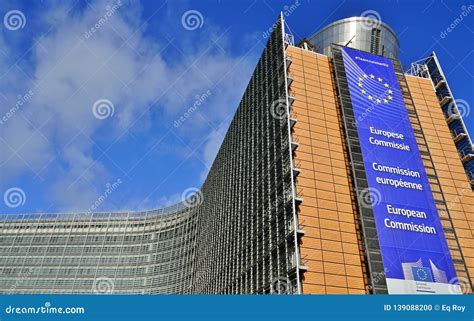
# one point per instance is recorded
(387, 140)
(422, 274)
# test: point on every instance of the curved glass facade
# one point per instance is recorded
(360, 33)
(135, 252)
(234, 238)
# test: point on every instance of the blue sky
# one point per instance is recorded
(141, 99)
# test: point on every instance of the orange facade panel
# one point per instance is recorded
(330, 247)
(453, 180)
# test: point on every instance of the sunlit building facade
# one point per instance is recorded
(285, 207)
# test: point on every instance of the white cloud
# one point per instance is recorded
(22, 148)
(78, 187)
(212, 145)
(72, 71)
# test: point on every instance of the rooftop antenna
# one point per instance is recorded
(347, 44)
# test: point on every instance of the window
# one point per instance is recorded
(375, 41)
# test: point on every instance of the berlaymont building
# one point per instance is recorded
(340, 173)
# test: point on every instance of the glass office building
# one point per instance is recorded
(286, 207)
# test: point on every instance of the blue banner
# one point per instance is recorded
(414, 250)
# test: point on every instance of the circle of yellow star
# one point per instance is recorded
(423, 275)
(385, 98)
